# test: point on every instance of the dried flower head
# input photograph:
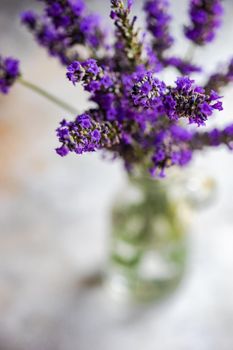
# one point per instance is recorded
(206, 18)
(9, 72)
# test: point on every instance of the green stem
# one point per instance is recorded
(47, 95)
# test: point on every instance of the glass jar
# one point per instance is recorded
(150, 219)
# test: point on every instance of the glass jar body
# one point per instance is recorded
(148, 242)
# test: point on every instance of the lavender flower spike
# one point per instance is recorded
(220, 80)
(9, 72)
(213, 138)
(84, 134)
(187, 100)
(183, 66)
(206, 18)
(148, 91)
(63, 26)
(83, 72)
(158, 21)
(128, 47)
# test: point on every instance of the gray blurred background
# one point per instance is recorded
(54, 223)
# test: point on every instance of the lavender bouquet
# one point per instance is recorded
(134, 114)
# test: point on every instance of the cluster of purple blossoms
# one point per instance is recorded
(191, 102)
(158, 21)
(183, 66)
(64, 25)
(84, 135)
(100, 83)
(185, 100)
(87, 72)
(220, 80)
(206, 18)
(148, 91)
(171, 148)
(128, 47)
(9, 72)
(213, 138)
(145, 112)
(134, 114)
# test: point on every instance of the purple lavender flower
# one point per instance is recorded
(206, 18)
(220, 80)
(90, 27)
(158, 21)
(136, 116)
(30, 19)
(190, 101)
(152, 60)
(128, 47)
(92, 76)
(148, 91)
(183, 66)
(87, 71)
(171, 148)
(64, 13)
(9, 72)
(91, 67)
(64, 25)
(84, 135)
(75, 72)
(213, 138)
(49, 37)
(185, 100)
